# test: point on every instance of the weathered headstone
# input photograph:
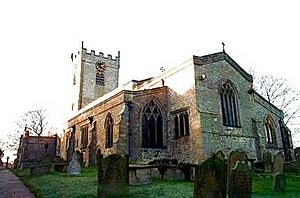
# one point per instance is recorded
(279, 183)
(240, 181)
(113, 180)
(297, 157)
(267, 159)
(74, 168)
(210, 178)
(234, 157)
(278, 164)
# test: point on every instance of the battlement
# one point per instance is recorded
(100, 54)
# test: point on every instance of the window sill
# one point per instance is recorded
(272, 146)
(231, 127)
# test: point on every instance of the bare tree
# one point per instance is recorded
(34, 120)
(278, 92)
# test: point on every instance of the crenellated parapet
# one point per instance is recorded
(91, 54)
(94, 74)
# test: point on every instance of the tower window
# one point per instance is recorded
(229, 105)
(152, 126)
(109, 131)
(99, 79)
(100, 67)
(74, 79)
(270, 130)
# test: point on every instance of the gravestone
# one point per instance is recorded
(278, 164)
(236, 156)
(210, 178)
(240, 181)
(74, 168)
(279, 183)
(221, 155)
(113, 180)
(297, 157)
(233, 158)
(267, 159)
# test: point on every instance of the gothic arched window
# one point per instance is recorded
(109, 131)
(229, 105)
(270, 130)
(152, 126)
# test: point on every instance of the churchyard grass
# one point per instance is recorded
(61, 185)
(263, 183)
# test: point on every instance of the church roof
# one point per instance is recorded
(211, 58)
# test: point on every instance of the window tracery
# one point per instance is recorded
(229, 105)
(152, 126)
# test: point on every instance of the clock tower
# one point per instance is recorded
(94, 75)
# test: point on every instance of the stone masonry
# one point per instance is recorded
(190, 89)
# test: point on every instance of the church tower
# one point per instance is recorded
(93, 76)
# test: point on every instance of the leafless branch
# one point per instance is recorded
(278, 92)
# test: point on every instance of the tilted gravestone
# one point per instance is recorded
(267, 160)
(240, 181)
(210, 178)
(113, 180)
(279, 183)
(74, 168)
(233, 158)
(278, 164)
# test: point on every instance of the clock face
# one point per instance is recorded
(100, 66)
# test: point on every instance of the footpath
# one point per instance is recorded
(12, 187)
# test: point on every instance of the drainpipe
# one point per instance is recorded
(130, 106)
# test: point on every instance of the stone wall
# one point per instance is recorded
(85, 89)
(115, 106)
(33, 148)
(139, 99)
(181, 95)
(216, 135)
(191, 87)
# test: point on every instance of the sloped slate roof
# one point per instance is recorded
(211, 58)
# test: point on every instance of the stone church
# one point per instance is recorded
(206, 104)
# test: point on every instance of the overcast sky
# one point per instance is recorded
(37, 38)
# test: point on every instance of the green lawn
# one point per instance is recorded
(61, 185)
